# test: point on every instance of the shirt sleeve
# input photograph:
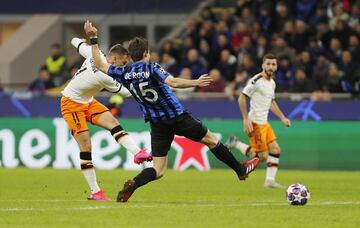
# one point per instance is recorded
(81, 47)
(160, 72)
(249, 88)
(110, 84)
(115, 71)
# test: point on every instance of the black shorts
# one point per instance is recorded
(163, 132)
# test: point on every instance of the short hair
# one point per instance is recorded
(269, 56)
(118, 49)
(137, 48)
(56, 45)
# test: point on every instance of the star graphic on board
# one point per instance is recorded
(190, 153)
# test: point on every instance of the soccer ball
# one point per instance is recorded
(297, 194)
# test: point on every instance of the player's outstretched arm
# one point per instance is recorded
(276, 110)
(91, 32)
(202, 81)
(81, 46)
(247, 125)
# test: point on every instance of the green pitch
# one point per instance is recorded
(57, 198)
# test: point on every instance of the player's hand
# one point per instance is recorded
(204, 80)
(286, 122)
(90, 30)
(248, 127)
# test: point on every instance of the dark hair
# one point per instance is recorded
(43, 67)
(56, 45)
(118, 49)
(269, 56)
(137, 47)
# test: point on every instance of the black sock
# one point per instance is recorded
(146, 175)
(222, 153)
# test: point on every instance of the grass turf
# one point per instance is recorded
(57, 198)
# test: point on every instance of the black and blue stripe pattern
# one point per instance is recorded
(146, 83)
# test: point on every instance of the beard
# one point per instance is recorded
(269, 73)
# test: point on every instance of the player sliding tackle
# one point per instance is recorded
(78, 106)
(261, 91)
(150, 86)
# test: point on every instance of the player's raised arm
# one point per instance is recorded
(276, 110)
(91, 32)
(202, 81)
(81, 46)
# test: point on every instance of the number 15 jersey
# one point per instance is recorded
(146, 83)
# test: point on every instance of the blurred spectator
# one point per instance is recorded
(247, 16)
(333, 81)
(285, 75)
(217, 85)
(56, 64)
(338, 14)
(302, 83)
(222, 43)
(282, 50)
(184, 93)
(354, 46)
(351, 72)
(262, 48)
(168, 63)
(305, 63)
(282, 16)
(235, 88)
(206, 53)
(266, 21)
(288, 33)
(342, 33)
(227, 65)
(301, 36)
(206, 32)
(115, 104)
(355, 15)
(319, 17)
(154, 57)
(320, 71)
(304, 9)
(187, 44)
(197, 64)
(335, 50)
(239, 33)
(247, 64)
(323, 34)
(43, 82)
(168, 47)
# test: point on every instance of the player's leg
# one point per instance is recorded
(99, 115)
(77, 124)
(161, 139)
(193, 129)
(245, 149)
(273, 159)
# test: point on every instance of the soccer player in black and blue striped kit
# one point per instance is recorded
(150, 85)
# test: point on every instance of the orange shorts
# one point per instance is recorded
(261, 136)
(76, 115)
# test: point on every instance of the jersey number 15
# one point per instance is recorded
(148, 93)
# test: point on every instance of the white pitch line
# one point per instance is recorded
(159, 205)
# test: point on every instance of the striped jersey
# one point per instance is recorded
(146, 83)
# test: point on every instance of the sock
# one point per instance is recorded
(243, 147)
(88, 170)
(272, 164)
(222, 153)
(146, 175)
(124, 139)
